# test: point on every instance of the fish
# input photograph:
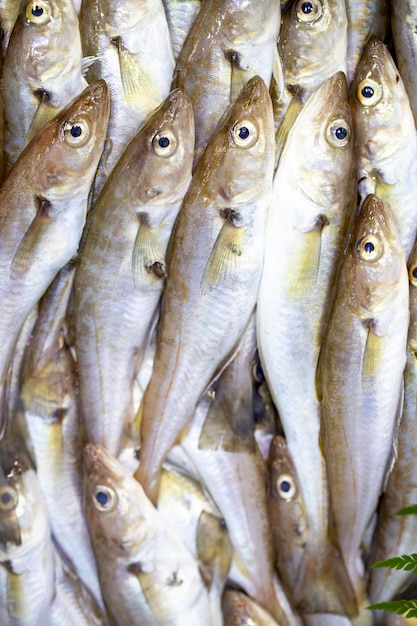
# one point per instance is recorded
(404, 35)
(42, 69)
(131, 48)
(385, 137)
(312, 44)
(122, 261)
(9, 12)
(213, 270)
(239, 608)
(147, 575)
(229, 42)
(314, 199)
(360, 377)
(43, 206)
(180, 16)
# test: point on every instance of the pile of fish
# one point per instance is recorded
(208, 311)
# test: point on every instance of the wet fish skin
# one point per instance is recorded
(229, 42)
(385, 137)
(360, 380)
(43, 205)
(239, 608)
(42, 70)
(180, 16)
(122, 261)
(403, 21)
(147, 575)
(214, 266)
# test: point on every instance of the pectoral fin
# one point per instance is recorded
(44, 113)
(224, 257)
(148, 257)
(239, 77)
(30, 248)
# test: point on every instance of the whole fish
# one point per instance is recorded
(42, 70)
(213, 272)
(147, 575)
(403, 24)
(313, 200)
(122, 262)
(229, 42)
(26, 555)
(43, 205)
(395, 535)
(385, 137)
(361, 377)
(130, 44)
(312, 44)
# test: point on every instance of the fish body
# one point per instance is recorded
(180, 16)
(122, 262)
(43, 205)
(385, 137)
(42, 70)
(132, 48)
(214, 267)
(229, 42)
(313, 199)
(239, 608)
(403, 22)
(361, 378)
(147, 575)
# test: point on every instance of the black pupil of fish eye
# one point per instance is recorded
(37, 11)
(367, 91)
(369, 247)
(414, 272)
(243, 132)
(102, 498)
(163, 142)
(76, 130)
(6, 498)
(285, 486)
(341, 133)
(307, 8)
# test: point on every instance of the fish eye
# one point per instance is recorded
(76, 132)
(8, 498)
(286, 487)
(38, 12)
(308, 11)
(368, 92)
(412, 274)
(164, 143)
(339, 133)
(244, 134)
(369, 248)
(104, 498)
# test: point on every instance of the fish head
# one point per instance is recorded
(378, 101)
(375, 260)
(67, 150)
(165, 150)
(242, 150)
(312, 32)
(114, 502)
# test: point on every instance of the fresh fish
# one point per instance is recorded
(122, 262)
(26, 556)
(361, 377)
(53, 419)
(385, 137)
(213, 272)
(147, 575)
(42, 70)
(239, 609)
(43, 205)
(229, 42)
(180, 16)
(395, 535)
(313, 200)
(131, 45)
(404, 34)
(364, 20)
(312, 44)
(9, 12)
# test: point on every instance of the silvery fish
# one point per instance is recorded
(213, 272)
(122, 267)
(180, 16)
(404, 34)
(43, 206)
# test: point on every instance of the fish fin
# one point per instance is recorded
(222, 263)
(148, 259)
(392, 457)
(214, 548)
(305, 266)
(87, 62)
(277, 73)
(44, 113)
(30, 246)
(141, 91)
(372, 358)
(239, 77)
(287, 122)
